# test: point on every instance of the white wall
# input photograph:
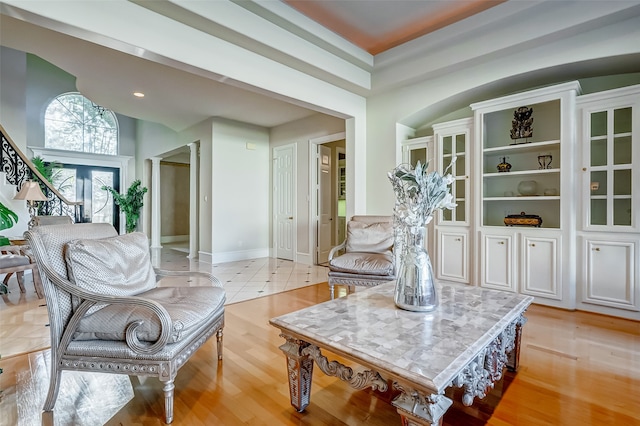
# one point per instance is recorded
(13, 68)
(153, 139)
(241, 191)
(13, 103)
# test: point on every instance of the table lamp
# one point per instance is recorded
(31, 192)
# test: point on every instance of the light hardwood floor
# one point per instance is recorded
(576, 368)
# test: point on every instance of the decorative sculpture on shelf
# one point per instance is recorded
(545, 161)
(504, 166)
(521, 126)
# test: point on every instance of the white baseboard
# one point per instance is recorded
(232, 256)
(174, 238)
(204, 257)
(304, 258)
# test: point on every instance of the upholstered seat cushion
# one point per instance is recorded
(363, 263)
(12, 260)
(374, 237)
(188, 308)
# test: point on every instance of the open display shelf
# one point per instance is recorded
(535, 159)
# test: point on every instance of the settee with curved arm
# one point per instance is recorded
(109, 311)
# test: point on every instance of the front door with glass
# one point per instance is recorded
(84, 183)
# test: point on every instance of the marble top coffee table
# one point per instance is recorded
(466, 342)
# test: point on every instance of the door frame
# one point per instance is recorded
(120, 162)
(313, 173)
(294, 202)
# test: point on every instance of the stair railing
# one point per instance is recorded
(19, 169)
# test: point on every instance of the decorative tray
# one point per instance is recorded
(523, 219)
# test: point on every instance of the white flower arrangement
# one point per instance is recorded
(420, 193)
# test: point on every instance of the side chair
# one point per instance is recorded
(365, 258)
(16, 259)
(109, 312)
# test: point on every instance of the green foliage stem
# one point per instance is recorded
(130, 203)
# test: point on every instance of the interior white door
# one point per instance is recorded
(283, 201)
(325, 204)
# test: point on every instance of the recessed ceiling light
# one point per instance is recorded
(138, 94)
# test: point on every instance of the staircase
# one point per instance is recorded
(17, 169)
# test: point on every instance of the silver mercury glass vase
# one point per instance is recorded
(415, 287)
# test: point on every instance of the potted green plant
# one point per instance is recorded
(130, 203)
(46, 169)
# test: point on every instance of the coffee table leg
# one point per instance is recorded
(513, 357)
(300, 371)
(418, 409)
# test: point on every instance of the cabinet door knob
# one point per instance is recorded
(458, 239)
(584, 169)
(533, 245)
(596, 249)
(500, 242)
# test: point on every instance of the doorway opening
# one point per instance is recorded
(178, 200)
(331, 197)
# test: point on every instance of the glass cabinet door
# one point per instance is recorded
(454, 146)
(610, 168)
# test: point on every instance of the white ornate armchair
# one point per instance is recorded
(368, 258)
(107, 312)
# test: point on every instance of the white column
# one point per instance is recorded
(193, 200)
(155, 202)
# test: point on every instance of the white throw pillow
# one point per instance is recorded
(369, 237)
(116, 266)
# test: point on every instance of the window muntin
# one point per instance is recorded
(73, 123)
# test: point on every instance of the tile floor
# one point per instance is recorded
(248, 279)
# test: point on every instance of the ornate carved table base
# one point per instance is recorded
(416, 408)
(467, 342)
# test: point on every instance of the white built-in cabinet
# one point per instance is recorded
(527, 172)
(609, 225)
(522, 262)
(453, 239)
(583, 155)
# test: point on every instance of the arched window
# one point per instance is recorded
(74, 123)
